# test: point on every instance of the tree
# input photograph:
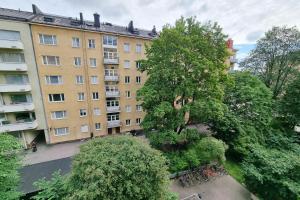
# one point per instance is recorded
(247, 115)
(290, 103)
(185, 65)
(272, 173)
(9, 165)
(275, 58)
(119, 167)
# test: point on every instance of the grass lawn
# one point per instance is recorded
(235, 170)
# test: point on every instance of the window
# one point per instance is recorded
(54, 80)
(138, 121)
(61, 131)
(127, 122)
(97, 111)
(59, 114)
(97, 126)
(113, 117)
(80, 96)
(92, 44)
(48, 39)
(12, 57)
(110, 53)
(57, 97)
(127, 79)
(138, 64)
(126, 64)
(10, 35)
(138, 48)
(84, 128)
(128, 108)
(94, 79)
(82, 112)
(128, 95)
(112, 103)
(138, 79)
(138, 108)
(93, 62)
(127, 47)
(51, 60)
(79, 79)
(77, 61)
(75, 42)
(17, 79)
(110, 40)
(95, 96)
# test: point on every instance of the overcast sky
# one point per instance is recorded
(243, 20)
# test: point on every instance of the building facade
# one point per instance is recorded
(21, 105)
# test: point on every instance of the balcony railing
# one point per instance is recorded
(13, 66)
(111, 109)
(110, 46)
(115, 123)
(112, 93)
(113, 61)
(15, 88)
(6, 126)
(111, 78)
(11, 44)
(19, 107)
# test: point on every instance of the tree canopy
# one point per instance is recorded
(186, 64)
(9, 164)
(276, 58)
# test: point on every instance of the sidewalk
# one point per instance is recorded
(51, 152)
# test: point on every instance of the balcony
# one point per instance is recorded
(15, 88)
(112, 124)
(111, 78)
(111, 61)
(18, 126)
(13, 66)
(112, 94)
(112, 109)
(109, 46)
(19, 107)
(11, 44)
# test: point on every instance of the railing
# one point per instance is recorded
(111, 78)
(112, 94)
(109, 46)
(13, 66)
(18, 107)
(115, 123)
(18, 126)
(111, 60)
(111, 109)
(11, 44)
(15, 87)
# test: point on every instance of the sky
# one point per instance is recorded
(244, 21)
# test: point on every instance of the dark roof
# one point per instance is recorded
(30, 174)
(69, 22)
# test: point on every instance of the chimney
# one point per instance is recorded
(154, 32)
(96, 20)
(130, 27)
(81, 18)
(36, 10)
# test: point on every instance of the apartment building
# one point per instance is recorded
(21, 105)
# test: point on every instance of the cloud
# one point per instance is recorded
(253, 36)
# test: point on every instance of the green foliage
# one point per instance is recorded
(272, 173)
(247, 115)
(169, 140)
(9, 165)
(54, 189)
(276, 58)
(205, 151)
(290, 104)
(120, 167)
(235, 170)
(187, 64)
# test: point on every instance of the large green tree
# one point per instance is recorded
(185, 65)
(9, 165)
(276, 58)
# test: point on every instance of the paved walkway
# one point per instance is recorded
(222, 188)
(51, 152)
